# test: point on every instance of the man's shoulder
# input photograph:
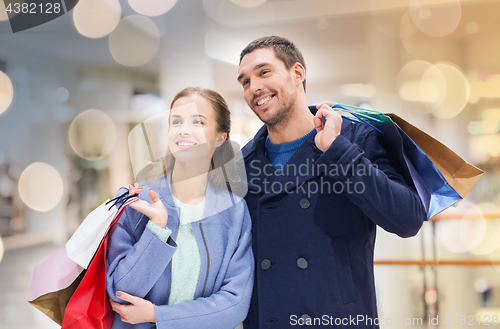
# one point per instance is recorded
(355, 131)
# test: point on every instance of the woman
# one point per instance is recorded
(181, 256)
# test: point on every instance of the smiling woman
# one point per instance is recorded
(181, 255)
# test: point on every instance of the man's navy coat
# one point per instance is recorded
(314, 226)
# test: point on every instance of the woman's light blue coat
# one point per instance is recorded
(139, 262)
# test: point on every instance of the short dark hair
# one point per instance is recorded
(283, 48)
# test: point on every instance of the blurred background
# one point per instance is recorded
(72, 89)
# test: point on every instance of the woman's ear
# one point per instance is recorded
(221, 139)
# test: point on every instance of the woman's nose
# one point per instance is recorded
(184, 130)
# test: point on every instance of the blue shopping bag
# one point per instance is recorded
(436, 192)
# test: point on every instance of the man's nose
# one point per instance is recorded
(255, 85)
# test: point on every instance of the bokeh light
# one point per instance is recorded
(484, 147)
(481, 285)
(92, 134)
(96, 18)
(490, 241)
(3, 13)
(443, 89)
(151, 7)
(483, 86)
(407, 31)
(463, 233)
(457, 90)
(61, 94)
(420, 81)
(248, 3)
(40, 186)
(6, 92)
(436, 19)
(135, 41)
(430, 296)
(472, 27)
(3, 16)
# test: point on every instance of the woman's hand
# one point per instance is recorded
(139, 311)
(156, 212)
(132, 189)
(326, 133)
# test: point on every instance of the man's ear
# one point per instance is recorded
(298, 73)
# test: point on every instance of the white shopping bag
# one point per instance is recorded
(82, 246)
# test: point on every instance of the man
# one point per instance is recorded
(318, 186)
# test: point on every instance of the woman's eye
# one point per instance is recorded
(197, 122)
(176, 122)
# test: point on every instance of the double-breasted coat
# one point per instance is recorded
(314, 226)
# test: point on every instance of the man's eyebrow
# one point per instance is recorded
(256, 67)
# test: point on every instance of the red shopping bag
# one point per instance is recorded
(89, 307)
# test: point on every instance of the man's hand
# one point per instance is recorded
(139, 310)
(326, 133)
(156, 212)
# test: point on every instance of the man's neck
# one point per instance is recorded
(299, 124)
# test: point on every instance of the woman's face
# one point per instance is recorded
(193, 129)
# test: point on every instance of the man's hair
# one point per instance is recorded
(283, 48)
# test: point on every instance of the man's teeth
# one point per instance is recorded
(185, 144)
(264, 100)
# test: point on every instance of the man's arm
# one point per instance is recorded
(381, 193)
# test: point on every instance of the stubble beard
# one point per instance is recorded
(284, 112)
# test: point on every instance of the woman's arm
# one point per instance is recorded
(136, 260)
(223, 309)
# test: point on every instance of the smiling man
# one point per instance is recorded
(315, 214)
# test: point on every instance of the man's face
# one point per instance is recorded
(268, 86)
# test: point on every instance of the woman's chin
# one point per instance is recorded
(192, 156)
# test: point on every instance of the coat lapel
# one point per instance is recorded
(262, 177)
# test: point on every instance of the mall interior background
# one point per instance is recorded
(72, 89)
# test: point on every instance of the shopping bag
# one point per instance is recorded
(435, 192)
(83, 244)
(89, 307)
(440, 176)
(54, 282)
(461, 175)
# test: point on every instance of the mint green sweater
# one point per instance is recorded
(186, 262)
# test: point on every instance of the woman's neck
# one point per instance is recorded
(187, 184)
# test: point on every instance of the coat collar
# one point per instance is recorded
(217, 199)
(261, 175)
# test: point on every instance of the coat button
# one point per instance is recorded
(360, 149)
(302, 263)
(266, 264)
(270, 207)
(306, 319)
(304, 203)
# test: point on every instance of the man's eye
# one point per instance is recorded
(264, 72)
(245, 82)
